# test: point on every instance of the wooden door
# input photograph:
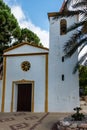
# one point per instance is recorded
(24, 97)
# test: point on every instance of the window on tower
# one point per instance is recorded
(62, 77)
(62, 58)
(63, 26)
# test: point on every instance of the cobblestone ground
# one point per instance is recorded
(29, 121)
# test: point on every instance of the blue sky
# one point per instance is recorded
(33, 15)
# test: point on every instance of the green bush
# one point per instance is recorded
(78, 116)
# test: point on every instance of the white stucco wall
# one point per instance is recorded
(63, 95)
(36, 73)
(0, 93)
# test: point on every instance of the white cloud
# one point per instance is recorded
(24, 23)
(18, 13)
(6, 1)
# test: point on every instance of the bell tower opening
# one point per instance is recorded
(63, 26)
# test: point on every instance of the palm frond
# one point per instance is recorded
(79, 39)
(82, 12)
(65, 5)
(81, 60)
(68, 45)
(86, 15)
(83, 40)
(75, 25)
(82, 47)
(80, 4)
(73, 44)
(65, 13)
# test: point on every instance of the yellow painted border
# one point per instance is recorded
(46, 85)
(25, 54)
(4, 84)
(22, 82)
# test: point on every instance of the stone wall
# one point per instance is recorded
(65, 125)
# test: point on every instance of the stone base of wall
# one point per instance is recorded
(70, 125)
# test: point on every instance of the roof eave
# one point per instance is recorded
(65, 13)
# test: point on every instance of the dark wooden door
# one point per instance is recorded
(24, 97)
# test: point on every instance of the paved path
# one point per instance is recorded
(29, 121)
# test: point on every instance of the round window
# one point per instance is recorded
(25, 65)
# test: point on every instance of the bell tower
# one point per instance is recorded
(63, 94)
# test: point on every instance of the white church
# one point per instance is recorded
(38, 79)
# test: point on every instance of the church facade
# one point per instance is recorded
(37, 79)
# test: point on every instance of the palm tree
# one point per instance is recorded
(79, 38)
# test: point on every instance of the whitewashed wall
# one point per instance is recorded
(36, 74)
(63, 95)
(24, 49)
(0, 93)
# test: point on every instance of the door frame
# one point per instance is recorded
(23, 81)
